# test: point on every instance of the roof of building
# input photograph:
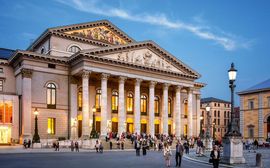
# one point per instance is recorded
(212, 99)
(5, 53)
(263, 86)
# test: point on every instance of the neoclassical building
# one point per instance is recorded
(69, 70)
(255, 111)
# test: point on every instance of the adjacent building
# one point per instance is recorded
(255, 111)
(219, 116)
(69, 70)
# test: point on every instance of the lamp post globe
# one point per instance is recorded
(36, 138)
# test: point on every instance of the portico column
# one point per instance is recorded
(190, 113)
(152, 108)
(85, 107)
(73, 108)
(104, 80)
(178, 112)
(26, 103)
(260, 117)
(198, 114)
(121, 106)
(165, 108)
(137, 114)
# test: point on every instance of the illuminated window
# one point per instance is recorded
(98, 100)
(80, 98)
(51, 126)
(6, 112)
(114, 101)
(185, 130)
(74, 49)
(130, 103)
(157, 107)
(169, 107)
(186, 108)
(1, 85)
(51, 95)
(143, 105)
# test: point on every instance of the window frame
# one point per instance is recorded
(157, 106)
(1, 85)
(80, 100)
(144, 100)
(50, 90)
(74, 48)
(169, 107)
(51, 125)
(251, 104)
(114, 101)
(98, 96)
(130, 102)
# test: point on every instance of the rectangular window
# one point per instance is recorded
(1, 85)
(250, 104)
(51, 66)
(224, 121)
(218, 121)
(218, 113)
(215, 113)
(51, 126)
(1, 70)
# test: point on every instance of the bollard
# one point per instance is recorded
(259, 160)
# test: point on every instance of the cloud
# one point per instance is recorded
(228, 42)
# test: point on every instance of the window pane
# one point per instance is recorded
(48, 96)
(53, 96)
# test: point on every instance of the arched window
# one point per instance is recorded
(157, 109)
(130, 103)
(80, 98)
(169, 107)
(51, 95)
(114, 101)
(186, 108)
(143, 105)
(98, 100)
(74, 49)
(42, 51)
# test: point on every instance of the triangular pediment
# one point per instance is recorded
(147, 54)
(100, 31)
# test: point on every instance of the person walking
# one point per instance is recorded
(77, 146)
(97, 146)
(137, 147)
(144, 147)
(122, 145)
(100, 147)
(167, 153)
(111, 144)
(179, 153)
(72, 146)
(215, 155)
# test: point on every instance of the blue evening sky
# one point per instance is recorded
(206, 35)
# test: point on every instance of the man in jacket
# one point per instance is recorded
(179, 153)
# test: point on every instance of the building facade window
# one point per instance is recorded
(218, 113)
(51, 126)
(6, 109)
(143, 105)
(80, 98)
(130, 103)
(250, 104)
(251, 132)
(51, 95)
(157, 106)
(98, 100)
(1, 70)
(74, 49)
(42, 51)
(215, 113)
(169, 107)
(185, 108)
(185, 130)
(1, 85)
(115, 102)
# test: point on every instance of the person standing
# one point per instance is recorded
(100, 147)
(144, 147)
(111, 145)
(77, 146)
(72, 146)
(137, 147)
(215, 155)
(179, 153)
(167, 153)
(97, 146)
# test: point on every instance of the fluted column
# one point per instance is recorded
(198, 114)
(85, 107)
(165, 108)
(190, 114)
(178, 112)
(26, 103)
(121, 105)
(152, 107)
(104, 122)
(137, 111)
(260, 117)
(73, 108)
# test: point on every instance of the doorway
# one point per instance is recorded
(143, 128)
(156, 129)
(115, 127)
(130, 127)
(79, 128)
(5, 134)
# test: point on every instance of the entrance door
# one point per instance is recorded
(156, 129)
(4, 135)
(114, 126)
(130, 127)
(98, 126)
(169, 129)
(143, 128)
(79, 128)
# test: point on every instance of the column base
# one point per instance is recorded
(233, 150)
(85, 137)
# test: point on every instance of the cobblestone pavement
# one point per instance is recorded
(250, 157)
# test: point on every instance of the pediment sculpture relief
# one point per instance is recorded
(146, 58)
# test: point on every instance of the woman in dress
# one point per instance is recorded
(215, 155)
(167, 153)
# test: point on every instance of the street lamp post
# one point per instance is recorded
(93, 133)
(36, 138)
(201, 132)
(232, 141)
(214, 131)
(208, 140)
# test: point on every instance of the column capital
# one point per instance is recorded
(178, 88)
(85, 74)
(152, 84)
(166, 86)
(105, 76)
(190, 90)
(122, 79)
(198, 96)
(138, 81)
(73, 80)
(26, 73)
